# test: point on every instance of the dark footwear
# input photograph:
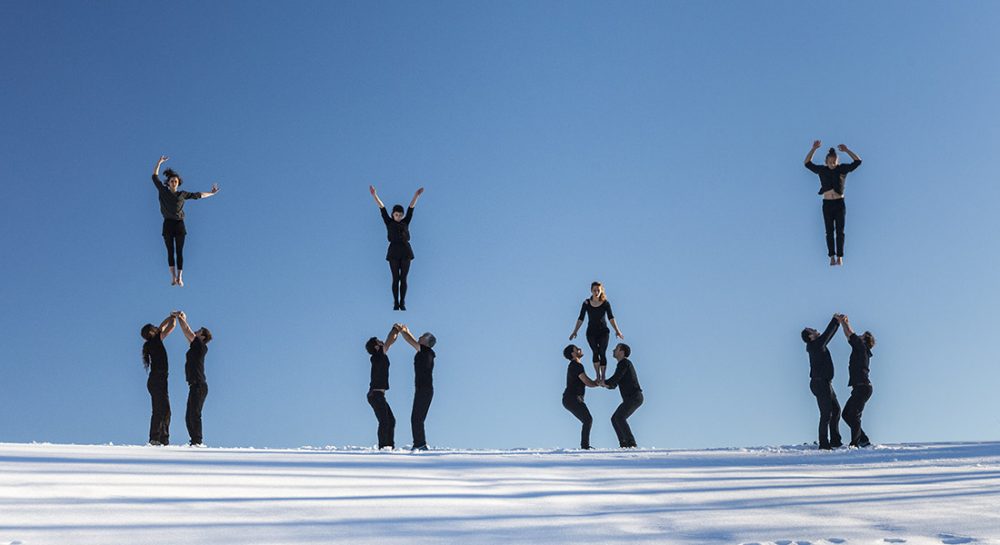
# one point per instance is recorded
(420, 448)
(836, 444)
(402, 306)
(588, 447)
(395, 306)
(825, 447)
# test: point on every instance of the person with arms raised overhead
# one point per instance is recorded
(861, 385)
(577, 382)
(627, 382)
(423, 371)
(596, 307)
(821, 383)
(172, 208)
(399, 253)
(379, 384)
(194, 372)
(154, 359)
(832, 177)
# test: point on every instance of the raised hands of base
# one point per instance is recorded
(817, 144)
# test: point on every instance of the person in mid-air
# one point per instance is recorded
(172, 208)
(399, 253)
(832, 177)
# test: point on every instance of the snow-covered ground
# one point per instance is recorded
(108, 495)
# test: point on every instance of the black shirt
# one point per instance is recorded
(832, 178)
(398, 233)
(423, 367)
(574, 386)
(156, 354)
(194, 366)
(626, 378)
(380, 371)
(860, 360)
(172, 204)
(596, 314)
(820, 362)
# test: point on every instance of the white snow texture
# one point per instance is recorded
(915, 494)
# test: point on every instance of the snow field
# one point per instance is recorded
(916, 494)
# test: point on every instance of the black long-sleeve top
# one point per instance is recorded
(832, 178)
(820, 362)
(398, 233)
(423, 368)
(194, 364)
(156, 354)
(625, 378)
(171, 203)
(380, 371)
(574, 386)
(595, 315)
(860, 361)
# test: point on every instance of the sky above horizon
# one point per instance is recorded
(656, 147)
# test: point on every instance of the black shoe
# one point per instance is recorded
(864, 443)
(420, 448)
(395, 306)
(825, 447)
(402, 306)
(587, 447)
(155, 443)
(836, 444)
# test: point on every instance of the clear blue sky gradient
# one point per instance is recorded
(654, 146)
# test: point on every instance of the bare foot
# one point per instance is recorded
(833, 261)
(840, 261)
(180, 281)
(173, 281)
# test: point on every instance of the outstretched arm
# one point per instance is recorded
(378, 201)
(831, 329)
(812, 151)
(390, 338)
(586, 380)
(156, 171)
(416, 196)
(848, 330)
(185, 328)
(845, 149)
(205, 194)
(167, 326)
(159, 163)
(409, 338)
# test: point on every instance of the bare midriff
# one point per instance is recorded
(832, 195)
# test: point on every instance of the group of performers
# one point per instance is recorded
(596, 309)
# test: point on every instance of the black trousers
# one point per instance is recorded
(598, 341)
(196, 400)
(159, 423)
(860, 394)
(834, 213)
(829, 412)
(174, 234)
(575, 405)
(400, 268)
(421, 403)
(619, 420)
(386, 420)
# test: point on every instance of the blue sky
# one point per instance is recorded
(654, 146)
